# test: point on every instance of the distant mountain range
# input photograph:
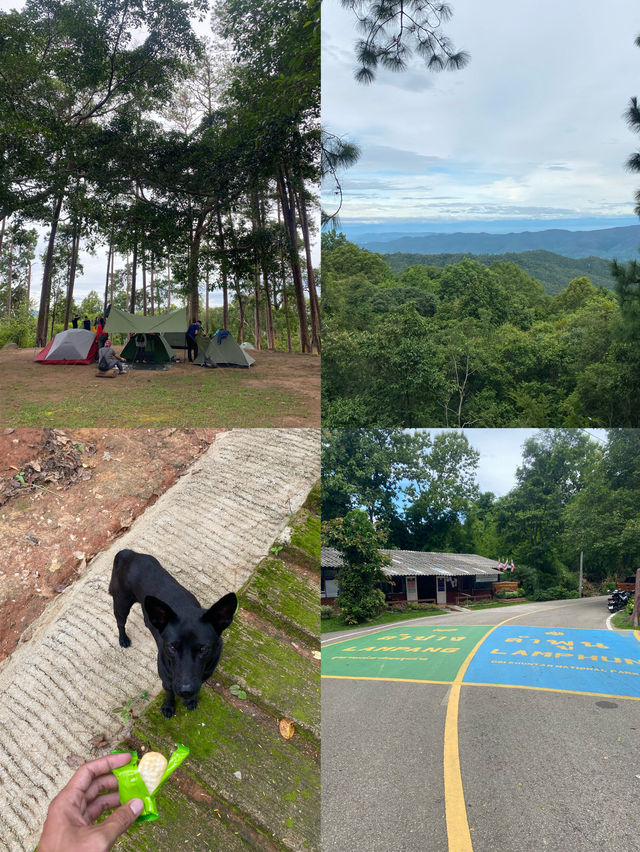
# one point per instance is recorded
(621, 243)
(553, 271)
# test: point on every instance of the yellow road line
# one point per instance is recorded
(458, 832)
(386, 679)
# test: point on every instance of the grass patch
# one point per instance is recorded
(187, 401)
(622, 621)
(178, 396)
(332, 625)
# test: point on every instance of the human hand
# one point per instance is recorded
(68, 825)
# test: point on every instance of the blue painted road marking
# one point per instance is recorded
(599, 661)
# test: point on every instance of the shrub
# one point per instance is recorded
(326, 611)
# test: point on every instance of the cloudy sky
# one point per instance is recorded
(533, 127)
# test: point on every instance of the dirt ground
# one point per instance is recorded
(65, 495)
(279, 390)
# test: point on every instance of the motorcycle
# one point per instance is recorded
(617, 600)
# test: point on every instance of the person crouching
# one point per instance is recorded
(108, 360)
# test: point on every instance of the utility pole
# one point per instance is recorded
(581, 554)
(636, 602)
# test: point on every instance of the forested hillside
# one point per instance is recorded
(621, 243)
(471, 345)
(553, 271)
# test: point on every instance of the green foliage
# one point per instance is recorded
(326, 611)
(553, 271)
(20, 330)
(355, 537)
(473, 345)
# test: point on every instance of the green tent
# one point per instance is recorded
(156, 348)
(177, 340)
(226, 353)
(122, 322)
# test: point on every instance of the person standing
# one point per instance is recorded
(100, 333)
(86, 323)
(192, 344)
(74, 320)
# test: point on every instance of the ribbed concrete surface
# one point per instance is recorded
(59, 690)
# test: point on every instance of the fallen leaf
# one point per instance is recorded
(316, 654)
(286, 728)
(74, 760)
(55, 565)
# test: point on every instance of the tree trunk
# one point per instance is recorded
(2, 226)
(241, 310)
(257, 331)
(75, 246)
(45, 293)
(289, 216)
(10, 280)
(206, 307)
(268, 313)
(128, 278)
(134, 266)
(223, 268)
(192, 270)
(113, 274)
(314, 303)
(285, 301)
(168, 283)
(153, 301)
(29, 287)
(144, 282)
(106, 283)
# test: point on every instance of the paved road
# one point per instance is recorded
(542, 713)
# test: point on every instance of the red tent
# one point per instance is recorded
(74, 346)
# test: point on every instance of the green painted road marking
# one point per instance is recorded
(412, 653)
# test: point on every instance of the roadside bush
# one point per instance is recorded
(368, 606)
(506, 594)
(555, 593)
(326, 611)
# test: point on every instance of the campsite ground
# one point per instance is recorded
(89, 492)
(279, 390)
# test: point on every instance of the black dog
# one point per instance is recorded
(187, 636)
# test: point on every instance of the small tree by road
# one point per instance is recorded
(358, 540)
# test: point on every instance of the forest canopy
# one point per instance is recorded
(472, 345)
(193, 161)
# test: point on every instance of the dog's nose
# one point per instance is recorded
(185, 690)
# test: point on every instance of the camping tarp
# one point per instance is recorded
(156, 348)
(227, 353)
(122, 322)
(74, 346)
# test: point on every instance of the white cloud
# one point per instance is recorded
(534, 121)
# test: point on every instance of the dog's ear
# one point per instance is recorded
(220, 615)
(160, 613)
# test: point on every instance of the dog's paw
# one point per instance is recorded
(191, 704)
(168, 710)
(125, 642)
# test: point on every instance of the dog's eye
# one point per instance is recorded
(204, 650)
(171, 649)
